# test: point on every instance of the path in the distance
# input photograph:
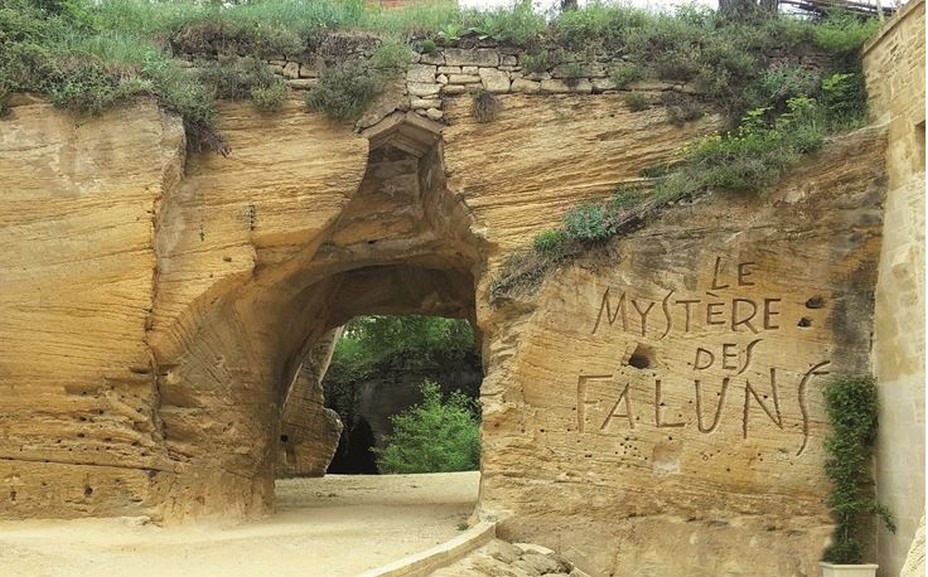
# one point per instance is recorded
(336, 526)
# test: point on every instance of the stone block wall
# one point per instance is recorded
(894, 64)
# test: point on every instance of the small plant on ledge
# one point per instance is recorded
(852, 407)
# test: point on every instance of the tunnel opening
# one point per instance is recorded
(379, 367)
(401, 254)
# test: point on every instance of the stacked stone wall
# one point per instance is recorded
(894, 64)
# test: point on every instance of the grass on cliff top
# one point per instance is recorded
(92, 55)
(749, 159)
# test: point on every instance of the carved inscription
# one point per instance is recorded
(726, 385)
(627, 409)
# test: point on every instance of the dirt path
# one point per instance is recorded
(331, 527)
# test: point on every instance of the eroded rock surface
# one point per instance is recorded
(655, 406)
(658, 410)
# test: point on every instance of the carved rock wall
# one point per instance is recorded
(658, 410)
(654, 408)
(309, 432)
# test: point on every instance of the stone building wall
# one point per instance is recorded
(894, 64)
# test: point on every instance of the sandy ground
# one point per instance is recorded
(330, 527)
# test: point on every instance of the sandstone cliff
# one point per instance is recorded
(655, 406)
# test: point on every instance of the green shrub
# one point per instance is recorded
(434, 436)
(270, 98)
(752, 158)
(589, 223)
(636, 102)
(518, 25)
(485, 105)
(550, 243)
(785, 81)
(625, 74)
(844, 33)
(429, 46)
(681, 108)
(383, 345)
(844, 98)
(392, 58)
(344, 91)
(598, 24)
(539, 61)
(572, 72)
(236, 78)
(852, 407)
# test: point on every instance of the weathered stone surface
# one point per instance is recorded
(420, 73)
(422, 89)
(425, 103)
(434, 59)
(292, 70)
(307, 71)
(500, 559)
(393, 97)
(894, 65)
(302, 83)
(453, 89)
(494, 81)
(463, 78)
(603, 84)
(581, 86)
(915, 560)
(309, 432)
(434, 113)
(681, 367)
(526, 86)
(449, 69)
(603, 382)
(473, 57)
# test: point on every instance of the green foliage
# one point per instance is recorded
(844, 33)
(485, 105)
(236, 78)
(518, 25)
(434, 436)
(429, 46)
(852, 407)
(344, 91)
(572, 72)
(589, 223)
(752, 158)
(379, 345)
(550, 244)
(270, 98)
(636, 102)
(844, 97)
(785, 81)
(392, 58)
(539, 61)
(625, 74)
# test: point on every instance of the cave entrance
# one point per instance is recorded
(397, 267)
(235, 404)
(378, 369)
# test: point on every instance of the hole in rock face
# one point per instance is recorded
(642, 357)
(805, 322)
(88, 491)
(284, 438)
(815, 302)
